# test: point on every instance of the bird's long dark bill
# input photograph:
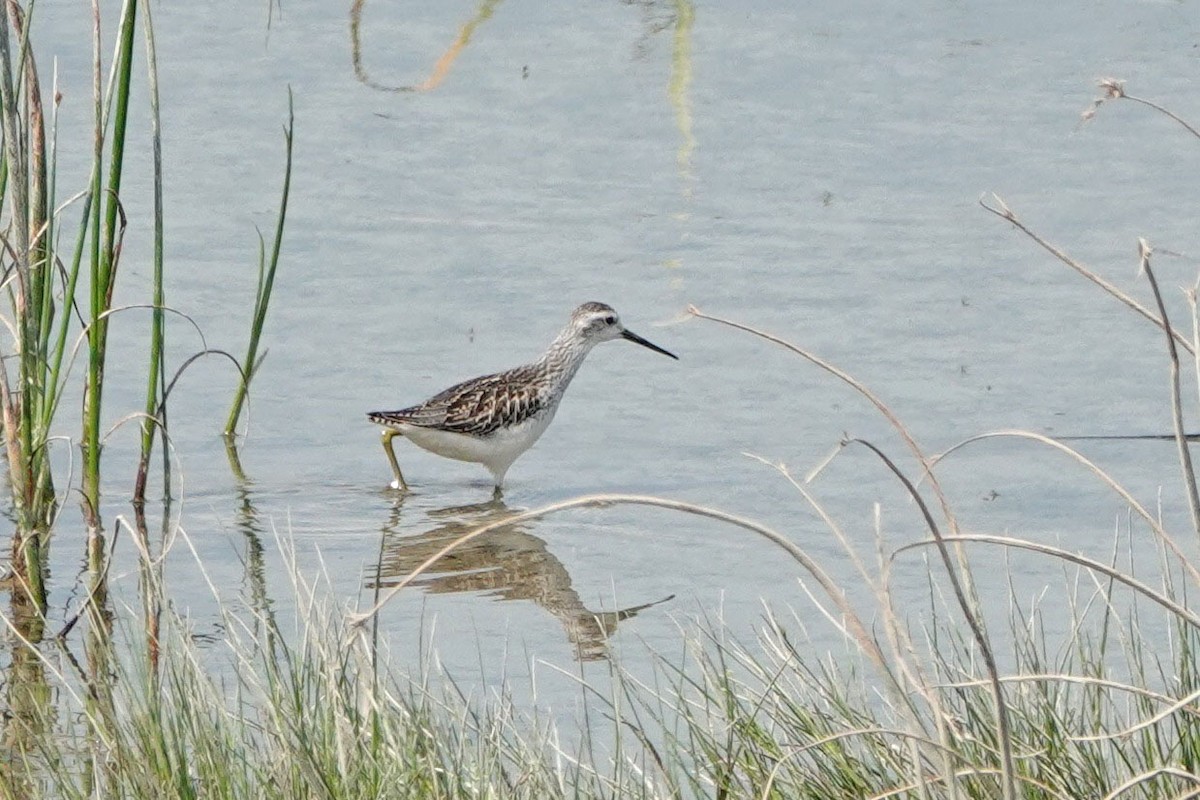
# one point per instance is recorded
(633, 337)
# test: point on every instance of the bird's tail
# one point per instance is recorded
(388, 418)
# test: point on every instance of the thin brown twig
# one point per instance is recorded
(1151, 521)
(1004, 212)
(1091, 681)
(1088, 563)
(925, 461)
(1115, 90)
(1185, 455)
(1151, 775)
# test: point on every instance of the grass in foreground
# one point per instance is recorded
(315, 710)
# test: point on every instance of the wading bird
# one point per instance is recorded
(493, 419)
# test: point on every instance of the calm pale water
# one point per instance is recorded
(811, 169)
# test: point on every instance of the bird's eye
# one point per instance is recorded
(610, 320)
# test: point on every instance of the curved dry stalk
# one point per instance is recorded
(974, 622)
(962, 578)
(1099, 566)
(61, 207)
(1180, 705)
(880, 406)
(1150, 775)
(132, 415)
(1004, 212)
(83, 335)
(796, 750)
(853, 383)
(898, 639)
(1181, 442)
(1115, 90)
(970, 772)
(1159, 532)
(1083, 680)
(1190, 294)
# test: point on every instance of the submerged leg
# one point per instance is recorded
(498, 471)
(388, 435)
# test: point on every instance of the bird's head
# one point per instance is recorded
(596, 322)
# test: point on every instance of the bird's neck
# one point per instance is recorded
(562, 359)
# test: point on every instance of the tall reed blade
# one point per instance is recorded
(266, 281)
(105, 252)
(24, 439)
(156, 378)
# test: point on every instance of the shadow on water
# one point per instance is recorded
(678, 17)
(250, 525)
(23, 711)
(507, 564)
(658, 16)
(98, 653)
(441, 67)
(96, 672)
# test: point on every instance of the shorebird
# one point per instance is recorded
(493, 419)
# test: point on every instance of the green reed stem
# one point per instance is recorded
(46, 398)
(40, 267)
(24, 147)
(263, 294)
(105, 254)
(91, 226)
(16, 154)
(60, 346)
(155, 387)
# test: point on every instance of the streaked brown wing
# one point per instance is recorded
(477, 407)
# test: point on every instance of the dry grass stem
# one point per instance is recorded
(1115, 90)
(1181, 441)
(1151, 520)
(1004, 212)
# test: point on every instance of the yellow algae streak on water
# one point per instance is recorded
(677, 89)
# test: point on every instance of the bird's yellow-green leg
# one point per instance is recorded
(388, 435)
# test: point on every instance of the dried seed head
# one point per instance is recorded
(1113, 90)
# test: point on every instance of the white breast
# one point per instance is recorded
(497, 452)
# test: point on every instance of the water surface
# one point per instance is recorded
(813, 170)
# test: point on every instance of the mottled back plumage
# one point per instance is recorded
(477, 407)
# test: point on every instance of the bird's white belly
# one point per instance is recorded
(496, 451)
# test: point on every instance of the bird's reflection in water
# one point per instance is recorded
(508, 563)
